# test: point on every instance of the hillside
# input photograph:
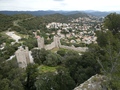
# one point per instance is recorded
(5, 22)
(49, 12)
(77, 15)
(53, 41)
(39, 22)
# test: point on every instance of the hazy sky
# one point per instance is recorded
(101, 5)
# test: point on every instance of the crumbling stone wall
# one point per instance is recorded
(56, 43)
(23, 57)
(50, 46)
(81, 49)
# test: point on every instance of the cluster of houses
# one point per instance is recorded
(82, 29)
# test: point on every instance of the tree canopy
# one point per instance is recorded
(112, 22)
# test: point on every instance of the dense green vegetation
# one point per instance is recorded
(112, 22)
(79, 68)
(60, 71)
(108, 57)
(77, 15)
(5, 22)
(11, 77)
(39, 23)
(8, 49)
(108, 51)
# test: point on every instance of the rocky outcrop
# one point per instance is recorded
(94, 83)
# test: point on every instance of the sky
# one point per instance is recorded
(66, 5)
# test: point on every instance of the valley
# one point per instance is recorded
(58, 51)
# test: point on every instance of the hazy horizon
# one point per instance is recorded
(59, 5)
(63, 10)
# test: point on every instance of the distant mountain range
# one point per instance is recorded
(49, 12)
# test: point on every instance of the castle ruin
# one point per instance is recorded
(56, 44)
(23, 57)
(40, 41)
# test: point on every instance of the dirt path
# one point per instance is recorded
(13, 35)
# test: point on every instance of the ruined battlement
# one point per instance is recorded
(57, 44)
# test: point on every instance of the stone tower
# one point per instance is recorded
(40, 42)
(57, 41)
(22, 56)
(27, 55)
